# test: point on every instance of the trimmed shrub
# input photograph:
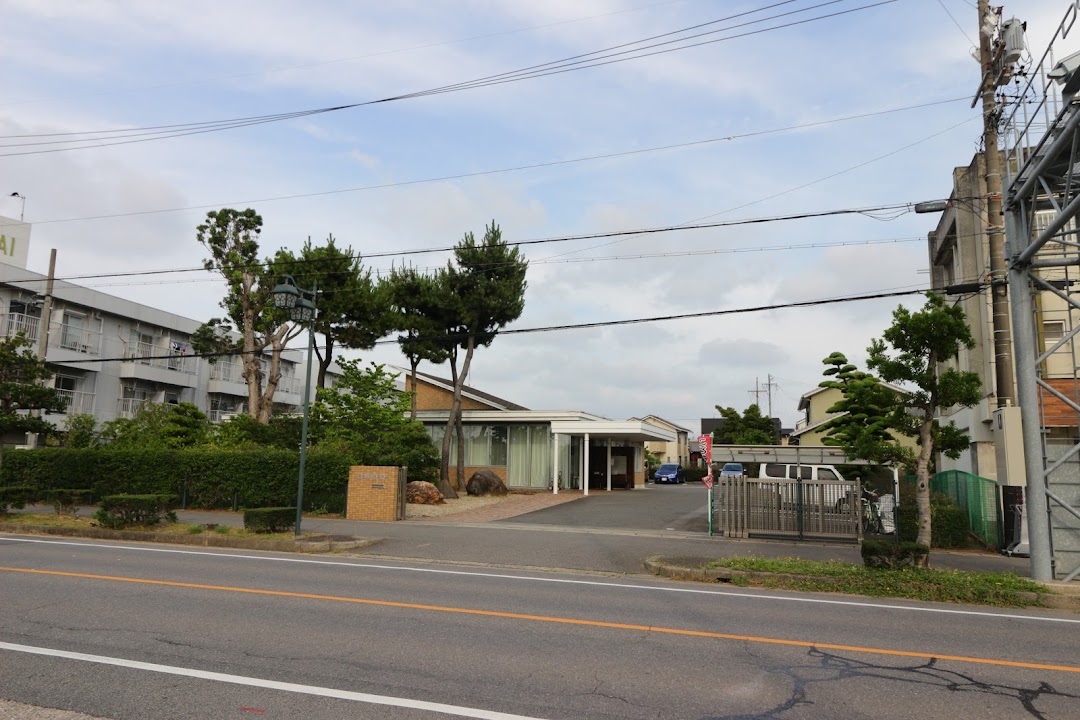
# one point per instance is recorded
(948, 523)
(15, 497)
(879, 554)
(67, 502)
(270, 520)
(121, 511)
(692, 473)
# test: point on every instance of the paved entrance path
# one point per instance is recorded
(507, 508)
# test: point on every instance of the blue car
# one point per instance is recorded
(669, 473)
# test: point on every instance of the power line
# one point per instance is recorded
(321, 63)
(533, 166)
(555, 328)
(866, 211)
(551, 68)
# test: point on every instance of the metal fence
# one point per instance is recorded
(980, 498)
(796, 509)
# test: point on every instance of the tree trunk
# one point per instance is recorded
(446, 487)
(324, 364)
(413, 362)
(459, 384)
(922, 479)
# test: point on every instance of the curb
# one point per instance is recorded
(314, 544)
(657, 566)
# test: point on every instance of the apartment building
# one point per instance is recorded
(959, 252)
(110, 355)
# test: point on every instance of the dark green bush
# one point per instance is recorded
(121, 511)
(15, 497)
(270, 520)
(694, 474)
(879, 554)
(948, 523)
(66, 501)
(207, 478)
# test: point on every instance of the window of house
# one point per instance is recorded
(1053, 330)
(172, 398)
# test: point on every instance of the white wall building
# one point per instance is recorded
(99, 345)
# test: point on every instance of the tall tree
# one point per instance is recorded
(365, 414)
(750, 428)
(912, 351)
(21, 374)
(353, 308)
(869, 416)
(232, 238)
(487, 279)
(417, 301)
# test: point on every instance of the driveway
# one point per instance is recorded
(653, 507)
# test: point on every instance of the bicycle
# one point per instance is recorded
(871, 515)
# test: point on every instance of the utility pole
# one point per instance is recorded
(769, 385)
(995, 222)
(756, 392)
(43, 328)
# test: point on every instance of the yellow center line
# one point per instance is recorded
(554, 619)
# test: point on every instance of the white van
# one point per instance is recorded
(836, 495)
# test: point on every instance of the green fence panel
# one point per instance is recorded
(979, 497)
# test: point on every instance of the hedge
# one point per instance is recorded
(66, 501)
(16, 497)
(890, 555)
(270, 520)
(263, 477)
(120, 511)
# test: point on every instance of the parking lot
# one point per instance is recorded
(652, 507)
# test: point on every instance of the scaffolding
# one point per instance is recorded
(1041, 200)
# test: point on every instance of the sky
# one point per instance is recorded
(764, 126)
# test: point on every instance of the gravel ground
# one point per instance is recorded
(450, 507)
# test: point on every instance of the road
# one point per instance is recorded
(170, 632)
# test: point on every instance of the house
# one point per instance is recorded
(537, 449)
(670, 452)
(959, 250)
(108, 355)
(815, 404)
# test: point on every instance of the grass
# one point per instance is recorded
(78, 522)
(1000, 589)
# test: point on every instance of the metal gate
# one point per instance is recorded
(794, 509)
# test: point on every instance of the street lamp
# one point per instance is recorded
(301, 310)
(22, 209)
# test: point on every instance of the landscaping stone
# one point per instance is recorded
(423, 493)
(485, 482)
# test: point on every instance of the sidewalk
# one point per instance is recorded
(478, 537)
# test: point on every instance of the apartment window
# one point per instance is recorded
(172, 398)
(73, 332)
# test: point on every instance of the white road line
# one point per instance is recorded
(271, 684)
(565, 581)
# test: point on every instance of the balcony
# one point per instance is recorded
(77, 401)
(153, 363)
(128, 407)
(228, 378)
(15, 323)
(75, 338)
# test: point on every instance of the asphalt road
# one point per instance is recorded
(167, 632)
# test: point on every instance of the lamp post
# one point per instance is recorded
(22, 209)
(301, 310)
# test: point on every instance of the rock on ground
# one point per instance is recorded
(423, 493)
(485, 482)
